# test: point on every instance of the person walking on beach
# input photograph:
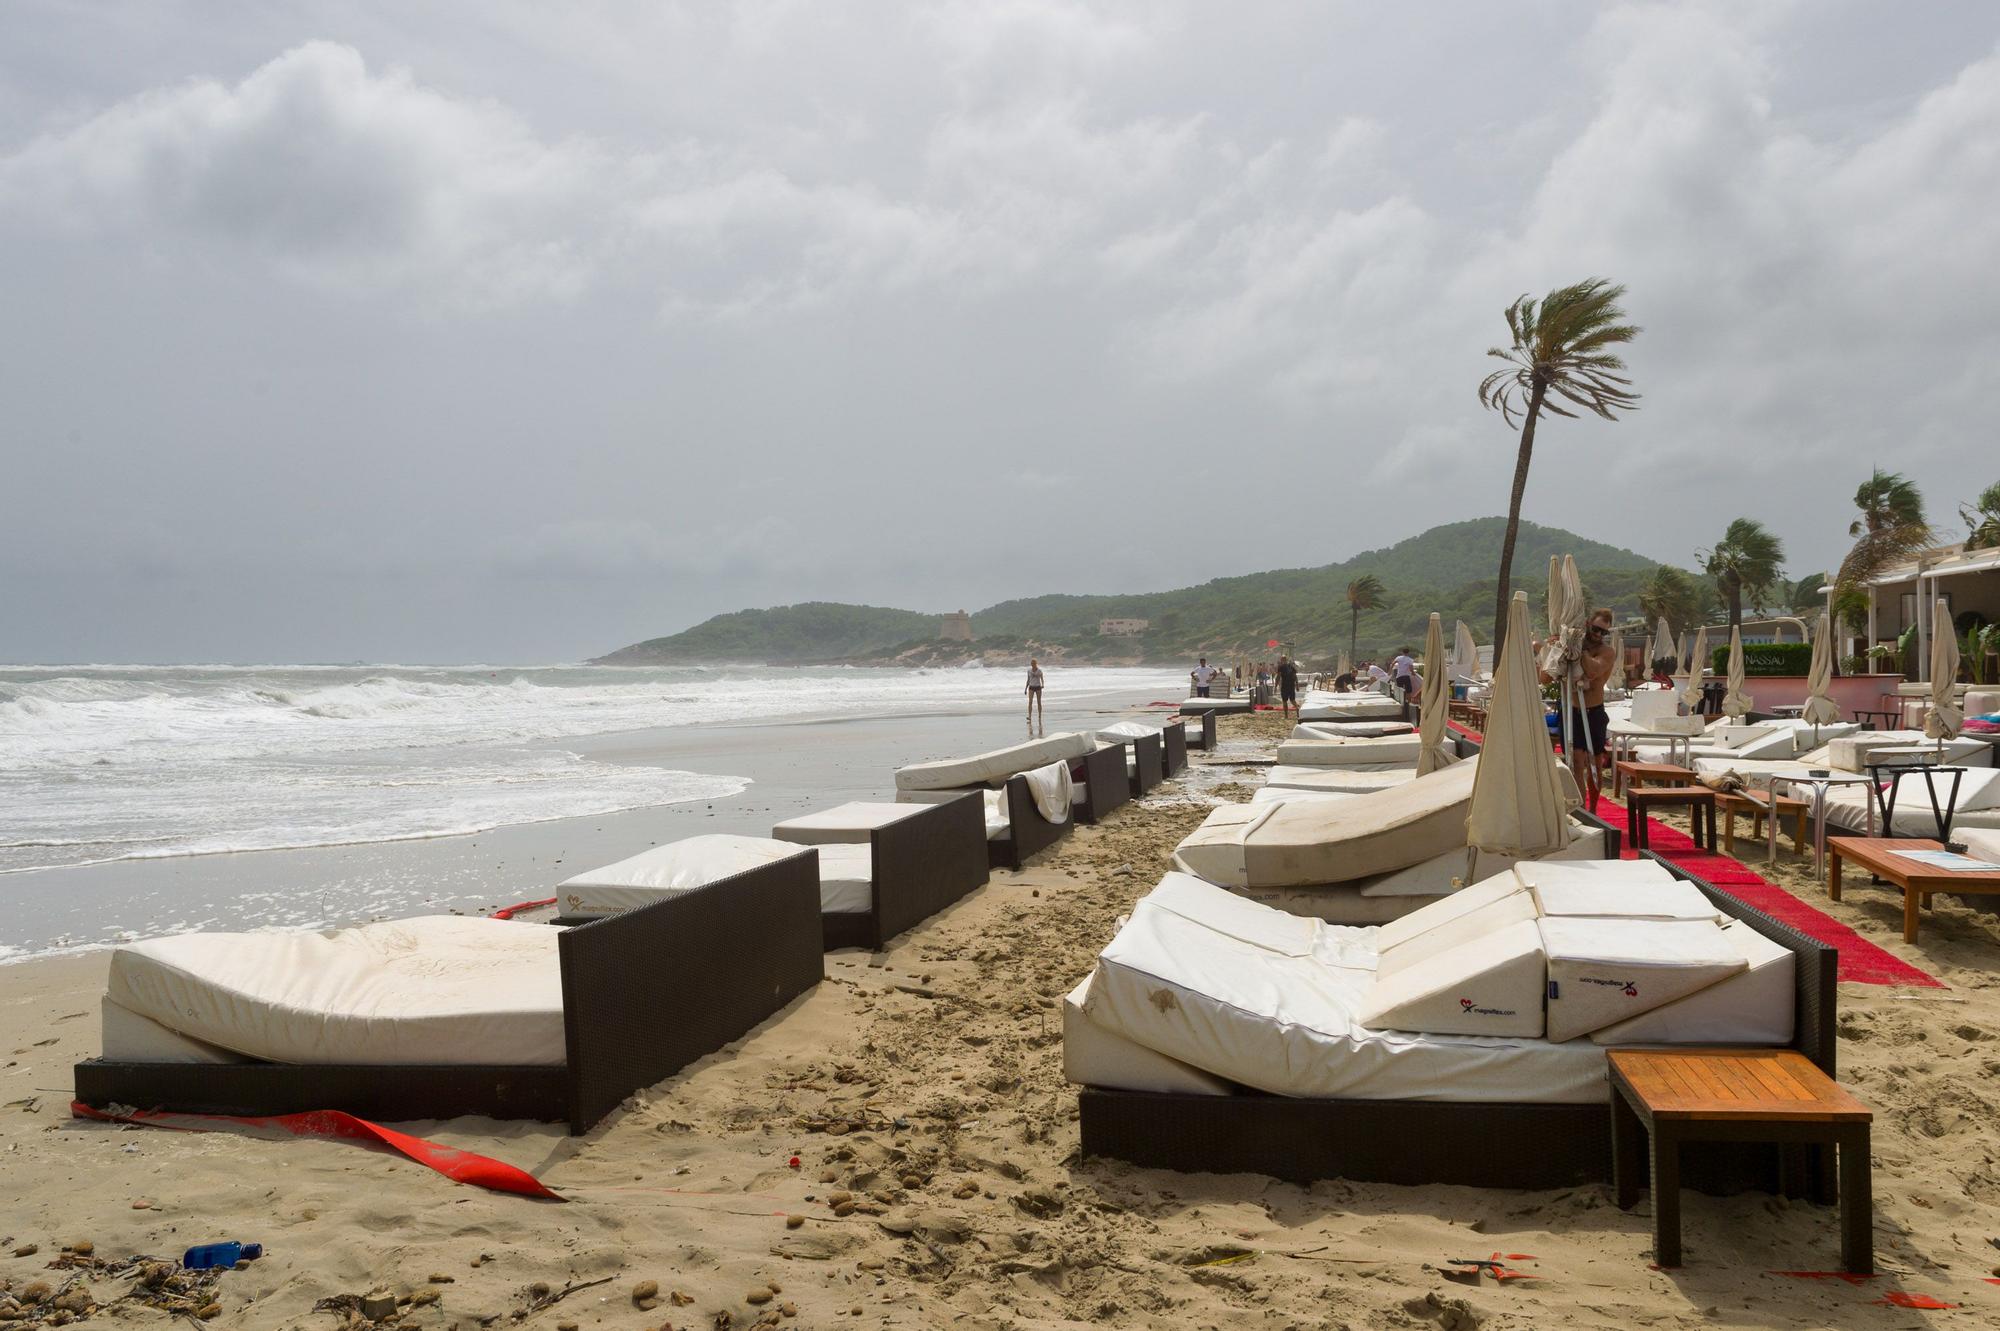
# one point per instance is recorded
(1288, 685)
(1034, 691)
(1203, 676)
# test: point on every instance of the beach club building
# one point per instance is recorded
(1901, 597)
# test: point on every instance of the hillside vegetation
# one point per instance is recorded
(1305, 608)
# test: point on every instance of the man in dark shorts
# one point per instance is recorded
(1592, 721)
(1288, 685)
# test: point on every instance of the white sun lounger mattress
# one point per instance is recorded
(1315, 842)
(433, 990)
(995, 766)
(846, 877)
(1604, 971)
(1095, 1056)
(1350, 729)
(1350, 752)
(1343, 780)
(666, 871)
(1272, 1006)
(852, 823)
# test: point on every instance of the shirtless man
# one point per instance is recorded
(1597, 668)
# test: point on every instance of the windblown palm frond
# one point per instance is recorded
(1982, 519)
(1562, 348)
(1744, 563)
(1890, 528)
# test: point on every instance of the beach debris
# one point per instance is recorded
(794, 1221)
(205, 1256)
(27, 1250)
(1494, 1266)
(759, 1295)
(646, 1294)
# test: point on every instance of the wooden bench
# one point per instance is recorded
(1743, 1095)
(1881, 857)
(1701, 811)
(1757, 803)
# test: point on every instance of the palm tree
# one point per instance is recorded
(1673, 596)
(1744, 562)
(1891, 527)
(1364, 593)
(1561, 347)
(1982, 519)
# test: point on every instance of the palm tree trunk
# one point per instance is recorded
(1353, 630)
(1505, 588)
(1735, 604)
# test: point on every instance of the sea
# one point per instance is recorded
(102, 764)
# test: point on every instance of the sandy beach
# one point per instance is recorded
(939, 1182)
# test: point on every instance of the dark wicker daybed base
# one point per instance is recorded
(1149, 765)
(1204, 738)
(1105, 785)
(922, 864)
(1479, 1145)
(1174, 747)
(645, 993)
(1028, 833)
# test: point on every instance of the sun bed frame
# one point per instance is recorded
(1148, 764)
(645, 993)
(1105, 786)
(1174, 747)
(1204, 738)
(1028, 833)
(1478, 1145)
(920, 865)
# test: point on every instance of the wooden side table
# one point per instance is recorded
(1754, 1095)
(1881, 856)
(1757, 803)
(1701, 811)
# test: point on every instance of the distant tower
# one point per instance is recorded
(956, 628)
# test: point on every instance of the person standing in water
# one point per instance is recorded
(1034, 691)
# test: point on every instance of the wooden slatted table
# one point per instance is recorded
(1753, 1095)
(1879, 855)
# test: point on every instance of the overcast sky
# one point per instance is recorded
(512, 331)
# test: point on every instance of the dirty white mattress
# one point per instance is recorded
(437, 989)
(1268, 1000)
(995, 766)
(672, 870)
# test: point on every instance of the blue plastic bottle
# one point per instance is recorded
(211, 1255)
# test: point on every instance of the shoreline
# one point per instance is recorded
(793, 765)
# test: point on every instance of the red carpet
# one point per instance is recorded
(1861, 962)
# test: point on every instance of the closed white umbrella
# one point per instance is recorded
(1664, 643)
(1431, 701)
(1945, 717)
(1735, 702)
(1691, 691)
(1464, 653)
(1820, 709)
(1616, 641)
(1519, 806)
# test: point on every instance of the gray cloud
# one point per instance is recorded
(524, 335)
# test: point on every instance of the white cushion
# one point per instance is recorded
(1616, 889)
(1312, 842)
(1489, 985)
(666, 871)
(1350, 729)
(1465, 901)
(846, 877)
(1095, 1056)
(1603, 971)
(457, 989)
(1346, 780)
(128, 1037)
(994, 766)
(1126, 730)
(1285, 1023)
(1756, 1007)
(842, 823)
(1470, 926)
(1350, 751)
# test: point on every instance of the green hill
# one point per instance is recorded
(812, 631)
(1303, 607)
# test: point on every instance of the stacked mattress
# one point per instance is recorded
(992, 768)
(439, 989)
(1352, 751)
(1348, 706)
(1977, 806)
(1486, 996)
(1332, 841)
